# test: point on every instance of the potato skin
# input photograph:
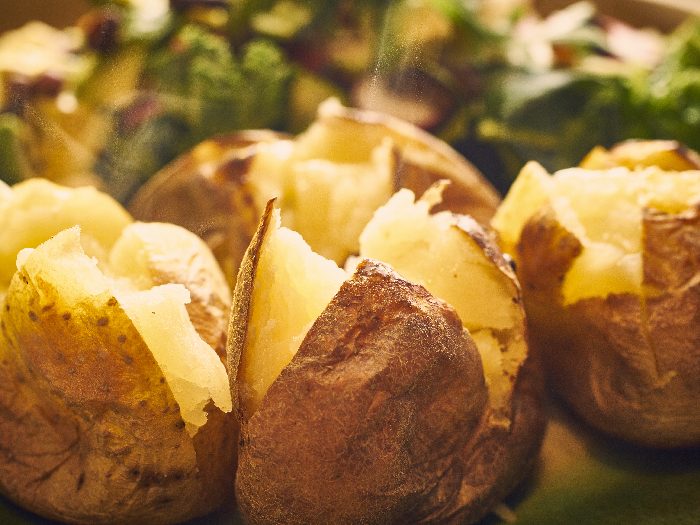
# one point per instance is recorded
(382, 417)
(629, 365)
(89, 430)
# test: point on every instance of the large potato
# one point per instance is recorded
(608, 263)
(114, 400)
(328, 182)
(363, 397)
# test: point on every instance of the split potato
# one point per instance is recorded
(365, 398)
(115, 404)
(607, 259)
(328, 181)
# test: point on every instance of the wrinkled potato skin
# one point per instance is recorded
(90, 431)
(382, 417)
(628, 365)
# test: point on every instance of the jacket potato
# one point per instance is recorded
(114, 405)
(607, 258)
(327, 180)
(365, 398)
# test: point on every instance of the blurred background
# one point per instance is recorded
(61, 13)
(663, 14)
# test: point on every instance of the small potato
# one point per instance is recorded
(114, 405)
(362, 396)
(608, 263)
(327, 180)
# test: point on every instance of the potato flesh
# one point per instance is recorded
(108, 253)
(192, 369)
(49, 208)
(293, 286)
(328, 200)
(334, 202)
(603, 209)
(429, 250)
(528, 192)
(194, 372)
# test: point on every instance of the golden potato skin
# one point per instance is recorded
(628, 365)
(668, 155)
(89, 428)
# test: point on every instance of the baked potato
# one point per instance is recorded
(363, 397)
(114, 399)
(328, 181)
(607, 260)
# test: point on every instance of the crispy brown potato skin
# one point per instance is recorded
(629, 365)
(382, 417)
(89, 428)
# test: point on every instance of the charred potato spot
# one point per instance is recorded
(608, 261)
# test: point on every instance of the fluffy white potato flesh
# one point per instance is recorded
(603, 209)
(326, 198)
(194, 372)
(36, 209)
(439, 252)
(293, 286)
(85, 244)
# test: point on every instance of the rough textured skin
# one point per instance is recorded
(384, 390)
(383, 417)
(629, 365)
(89, 429)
